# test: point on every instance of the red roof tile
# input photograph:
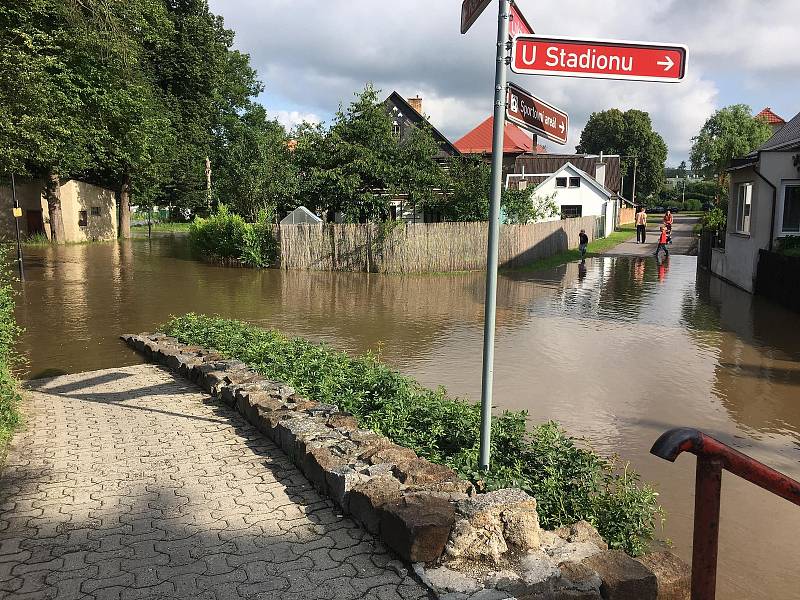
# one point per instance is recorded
(479, 140)
(770, 116)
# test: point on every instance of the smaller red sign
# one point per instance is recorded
(599, 59)
(519, 24)
(470, 11)
(528, 111)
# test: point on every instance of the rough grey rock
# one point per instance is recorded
(573, 552)
(538, 573)
(582, 531)
(674, 576)
(479, 538)
(341, 480)
(446, 580)
(623, 577)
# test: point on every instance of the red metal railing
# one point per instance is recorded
(712, 457)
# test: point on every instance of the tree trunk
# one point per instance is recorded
(53, 195)
(125, 208)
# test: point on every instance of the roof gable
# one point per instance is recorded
(770, 116)
(416, 118)
(576, 172)
(786, 138)
(479, 140)
(549, 163)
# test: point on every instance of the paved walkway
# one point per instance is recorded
(128, 483)
(682, 239)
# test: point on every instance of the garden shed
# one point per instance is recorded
(301, 216)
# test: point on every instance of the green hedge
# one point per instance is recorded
(225, 236)
(569, 482)
(9, 393)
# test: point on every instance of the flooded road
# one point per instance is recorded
(617, 352)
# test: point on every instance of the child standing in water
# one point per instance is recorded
(662, 242)
(584, 242)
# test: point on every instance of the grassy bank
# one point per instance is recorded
(569, 482)
(9, 393)
(594, 248)
(164, 227)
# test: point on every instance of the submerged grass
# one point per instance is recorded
(594, 248)
(569, 481)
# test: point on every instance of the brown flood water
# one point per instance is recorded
(618, 354)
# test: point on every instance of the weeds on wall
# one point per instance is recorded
(569, 481)
(227, 237)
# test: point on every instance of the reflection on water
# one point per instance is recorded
(617, 349)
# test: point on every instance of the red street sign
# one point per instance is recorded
(470, 11)
(526, 110)
(600, 59)
(519, 24)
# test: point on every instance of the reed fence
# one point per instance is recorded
(398, 247)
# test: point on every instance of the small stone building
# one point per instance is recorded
(89, 211)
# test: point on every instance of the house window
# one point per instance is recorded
(571, 211)
(744, 199)
(95, 211)
(574, 182)
(561, 182)
(396, 129)
(791, 209)
(83, 219)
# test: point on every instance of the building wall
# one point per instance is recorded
(29, 197)
(592, 200)
(79, 196)
(76, 196)
(738, 262)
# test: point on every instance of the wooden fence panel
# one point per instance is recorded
(422, 247)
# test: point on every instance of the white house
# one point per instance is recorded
(764, 205)
(576, 193)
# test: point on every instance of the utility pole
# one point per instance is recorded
(208, 183)
(633, 191)
(17, 216)
(490, 311)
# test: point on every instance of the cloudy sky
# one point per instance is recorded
(313, 54)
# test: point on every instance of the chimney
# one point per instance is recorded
(416, 103)
(600, 173)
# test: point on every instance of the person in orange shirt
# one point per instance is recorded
(668, 218)
(662, 242)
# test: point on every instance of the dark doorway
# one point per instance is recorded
(35, 222)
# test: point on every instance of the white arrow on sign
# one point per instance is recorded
(667, 63)
(562, 128)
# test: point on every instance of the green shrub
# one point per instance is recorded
(9, 394)
(716, 219)
(569, 482)
(225, 236)
(693, 204)
(789, 244)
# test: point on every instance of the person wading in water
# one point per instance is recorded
(641, 226)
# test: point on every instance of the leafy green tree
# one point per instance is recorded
(729, 133)
(631, 135)
(255, 171)
(682, 170)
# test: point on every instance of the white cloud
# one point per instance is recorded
(313, 54)
(292, 118)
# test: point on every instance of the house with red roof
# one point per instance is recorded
(515, 143)
(770, 117)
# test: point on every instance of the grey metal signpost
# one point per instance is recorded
(490, 309)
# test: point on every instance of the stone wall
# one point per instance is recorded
(461, 544)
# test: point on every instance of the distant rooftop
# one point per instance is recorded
(770, 117)
(786, 138)
(479, 140)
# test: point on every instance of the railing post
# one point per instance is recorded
(708, 484)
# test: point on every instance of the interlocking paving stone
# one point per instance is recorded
(131, 483)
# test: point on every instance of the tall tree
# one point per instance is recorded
(729, 133)
(631, 135)
(255, 171)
